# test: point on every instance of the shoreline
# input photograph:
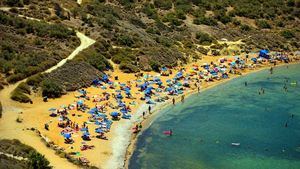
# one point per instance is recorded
(117, 151)
(150, 118)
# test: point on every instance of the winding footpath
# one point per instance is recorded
(10, 129)
(20, 158)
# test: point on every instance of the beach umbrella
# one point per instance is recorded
(179, 84)
(254, 59)
(164, 69)
(80, 102)
(93, 111)
(121, 104)
(101, 115)
(114, 114)
(86, 133)
(99, 130)
(67, 135)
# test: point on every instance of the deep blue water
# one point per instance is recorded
(206, 124)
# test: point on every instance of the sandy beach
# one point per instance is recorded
(107, 153)
(147, 121)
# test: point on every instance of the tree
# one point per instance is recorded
(204, 38)
(51, 89)
(263, 24)
(38, 161)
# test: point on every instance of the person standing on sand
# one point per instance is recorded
(173, 100)
(149, 108)
(46, 126)
(182, 98)
(198, 89)
(144, 114)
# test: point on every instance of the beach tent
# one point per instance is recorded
(264, 54)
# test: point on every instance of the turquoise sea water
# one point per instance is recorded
(206, 124)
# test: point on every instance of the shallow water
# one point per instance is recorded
(206, 124)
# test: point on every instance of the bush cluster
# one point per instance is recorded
(52, 89)
(204, 38)
(20, 93)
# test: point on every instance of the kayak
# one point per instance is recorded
(235, 144)
(167, 132)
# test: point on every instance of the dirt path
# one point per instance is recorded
(85, 43)
(15, 157)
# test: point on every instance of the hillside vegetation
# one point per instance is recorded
(29, 47)
(140, 34)
(14, 147)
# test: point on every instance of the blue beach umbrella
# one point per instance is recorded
(114, 114)
(80, 102)
(67, 135)
(99, 130)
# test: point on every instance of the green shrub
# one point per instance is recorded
(15, 78)
(180, 14)
(98, 61)
(24, 88)
(19, 96)
(51, 89)
(263, 24)
(137, 22)
(236, 22)
(150, 11)
(183, 5)
(287, 34)
(155, 66)
(38, 161)
(35, 80)
(152, 30)
(128, 67)
(164, 41)
(18, 3)
(125, 40)
(204, 38)
(165, 4)
(245, 28)
(205, 21)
